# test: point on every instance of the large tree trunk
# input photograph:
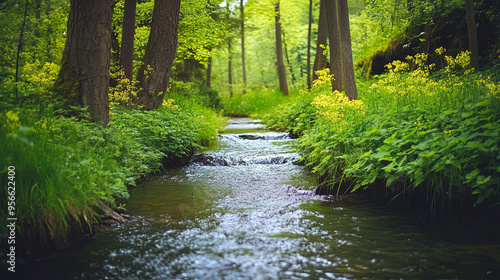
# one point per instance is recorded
(347, 64)
(243, 66)
(335, 43)
(160, 54)
(308, 60)
(471, 28)
(279, 53)
(320, 60)
(83, 78)
(128, 32)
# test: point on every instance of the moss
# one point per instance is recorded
(446, 29)
(66, 90)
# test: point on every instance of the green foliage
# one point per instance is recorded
(296, 116)
(194, 92)
(255, 103)
(433, 134)
(260, 45)
(428, 26)
(378, 23)
(63, 165)
(42, 45)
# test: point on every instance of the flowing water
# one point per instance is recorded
(244, 210)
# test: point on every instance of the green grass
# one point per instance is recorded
(254, 104)
(64, 165)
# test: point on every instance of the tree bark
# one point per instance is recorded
(209, 72)
(471, 29)
(335, 43)
(290, 66)
(347, 64)
(159, 55)
(84, 73)
(38, 13)
(279, 53)
(320, 60)
(229, 68)
(229, 56)
(128, 32)
(243, 66)
(20, 46)
(308, 60)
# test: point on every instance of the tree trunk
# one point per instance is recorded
(128, 32)
(320, 60)
(347, 64)
(335, 43)
(20, 46)
(471, 28)
(229, 67)
(279, 53)
(243, 66)
(229, 55)
(38, 13)
(209, 72)
(290, 66)
(115, 50)
(160, 54)
(83, 78)
(308, 60)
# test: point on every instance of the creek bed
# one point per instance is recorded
(245, 210)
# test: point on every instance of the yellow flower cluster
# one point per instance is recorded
(494, 89)
(169, 104)
(459, 64)
(440, 50)
(398, 66)
(418, 121)
(324, 78)
(125, 91)
(338, 109)
(42, 126)
(12, 121)
(408, 86)
(42, 76)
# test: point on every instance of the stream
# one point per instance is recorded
(244, 209)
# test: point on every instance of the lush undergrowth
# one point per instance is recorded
(63, 166)
(255, 103)
(432, 135)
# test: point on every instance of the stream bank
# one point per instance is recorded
(247, 212)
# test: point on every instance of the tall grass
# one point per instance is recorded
(255, 103)
(65, 165)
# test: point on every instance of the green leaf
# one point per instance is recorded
(482, 180)
(428, 154)
(380, 154)
(366, 154)
(472, 175)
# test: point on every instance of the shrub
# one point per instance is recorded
(65, 165)
(434, 134)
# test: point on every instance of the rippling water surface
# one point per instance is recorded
(243, 210)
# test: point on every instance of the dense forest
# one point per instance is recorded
(396, 99)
